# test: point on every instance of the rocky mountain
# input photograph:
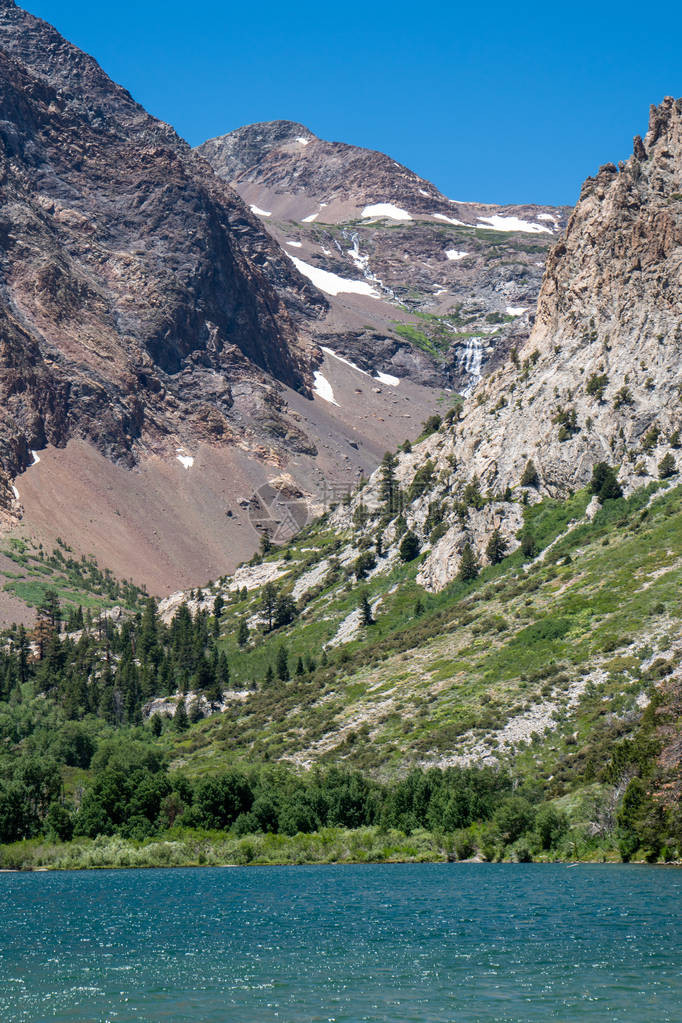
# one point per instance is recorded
(596, 381)
(135, 285)
(416, 281)
(148, 322)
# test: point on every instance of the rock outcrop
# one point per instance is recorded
(136, 288)
(598, 379)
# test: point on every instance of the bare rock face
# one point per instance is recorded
(598, 379)
(452, 285)
(136, 288)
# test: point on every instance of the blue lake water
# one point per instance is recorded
(458, 943)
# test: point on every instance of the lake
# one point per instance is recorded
(457, 943)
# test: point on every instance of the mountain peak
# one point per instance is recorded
(235, 152)
(664, 118)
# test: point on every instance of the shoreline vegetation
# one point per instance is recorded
(188, 848)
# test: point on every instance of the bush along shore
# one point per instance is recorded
(135, 813)
(192, 848)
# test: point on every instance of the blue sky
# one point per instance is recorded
(495, 102)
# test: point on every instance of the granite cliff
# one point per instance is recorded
(597, 379)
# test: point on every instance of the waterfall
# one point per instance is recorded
(470, 361)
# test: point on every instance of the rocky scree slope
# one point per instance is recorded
(136, 289)
(450, 284)
(597, 380)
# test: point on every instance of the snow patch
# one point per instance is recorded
(186, 460)
(384, 378)
(331, 283)
(422, 192)
(323, 389)
(386, 209)
(515, 310)
(36, 458)
(259, 212)
(455, 254)
(546, 216)
(16, 493)
(387, 378)
(309, 219)
(302, 141)
(449, 220)
(498, 223)
(295, 245)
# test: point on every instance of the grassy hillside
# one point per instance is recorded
(530, 650)
(558, 672)
(28, 572)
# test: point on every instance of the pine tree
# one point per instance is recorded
(269, 603)
(468, 566)
(243, 632)
(285, 610)
(366, 617)
(148, 643)
(667, 466)
(218, 605)
(604, 482)
(283, 664)
(409, 547)
(300, 670)
(180, 719)
(388, 489)
(530, 476)
(497, 548)
(269, 675)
